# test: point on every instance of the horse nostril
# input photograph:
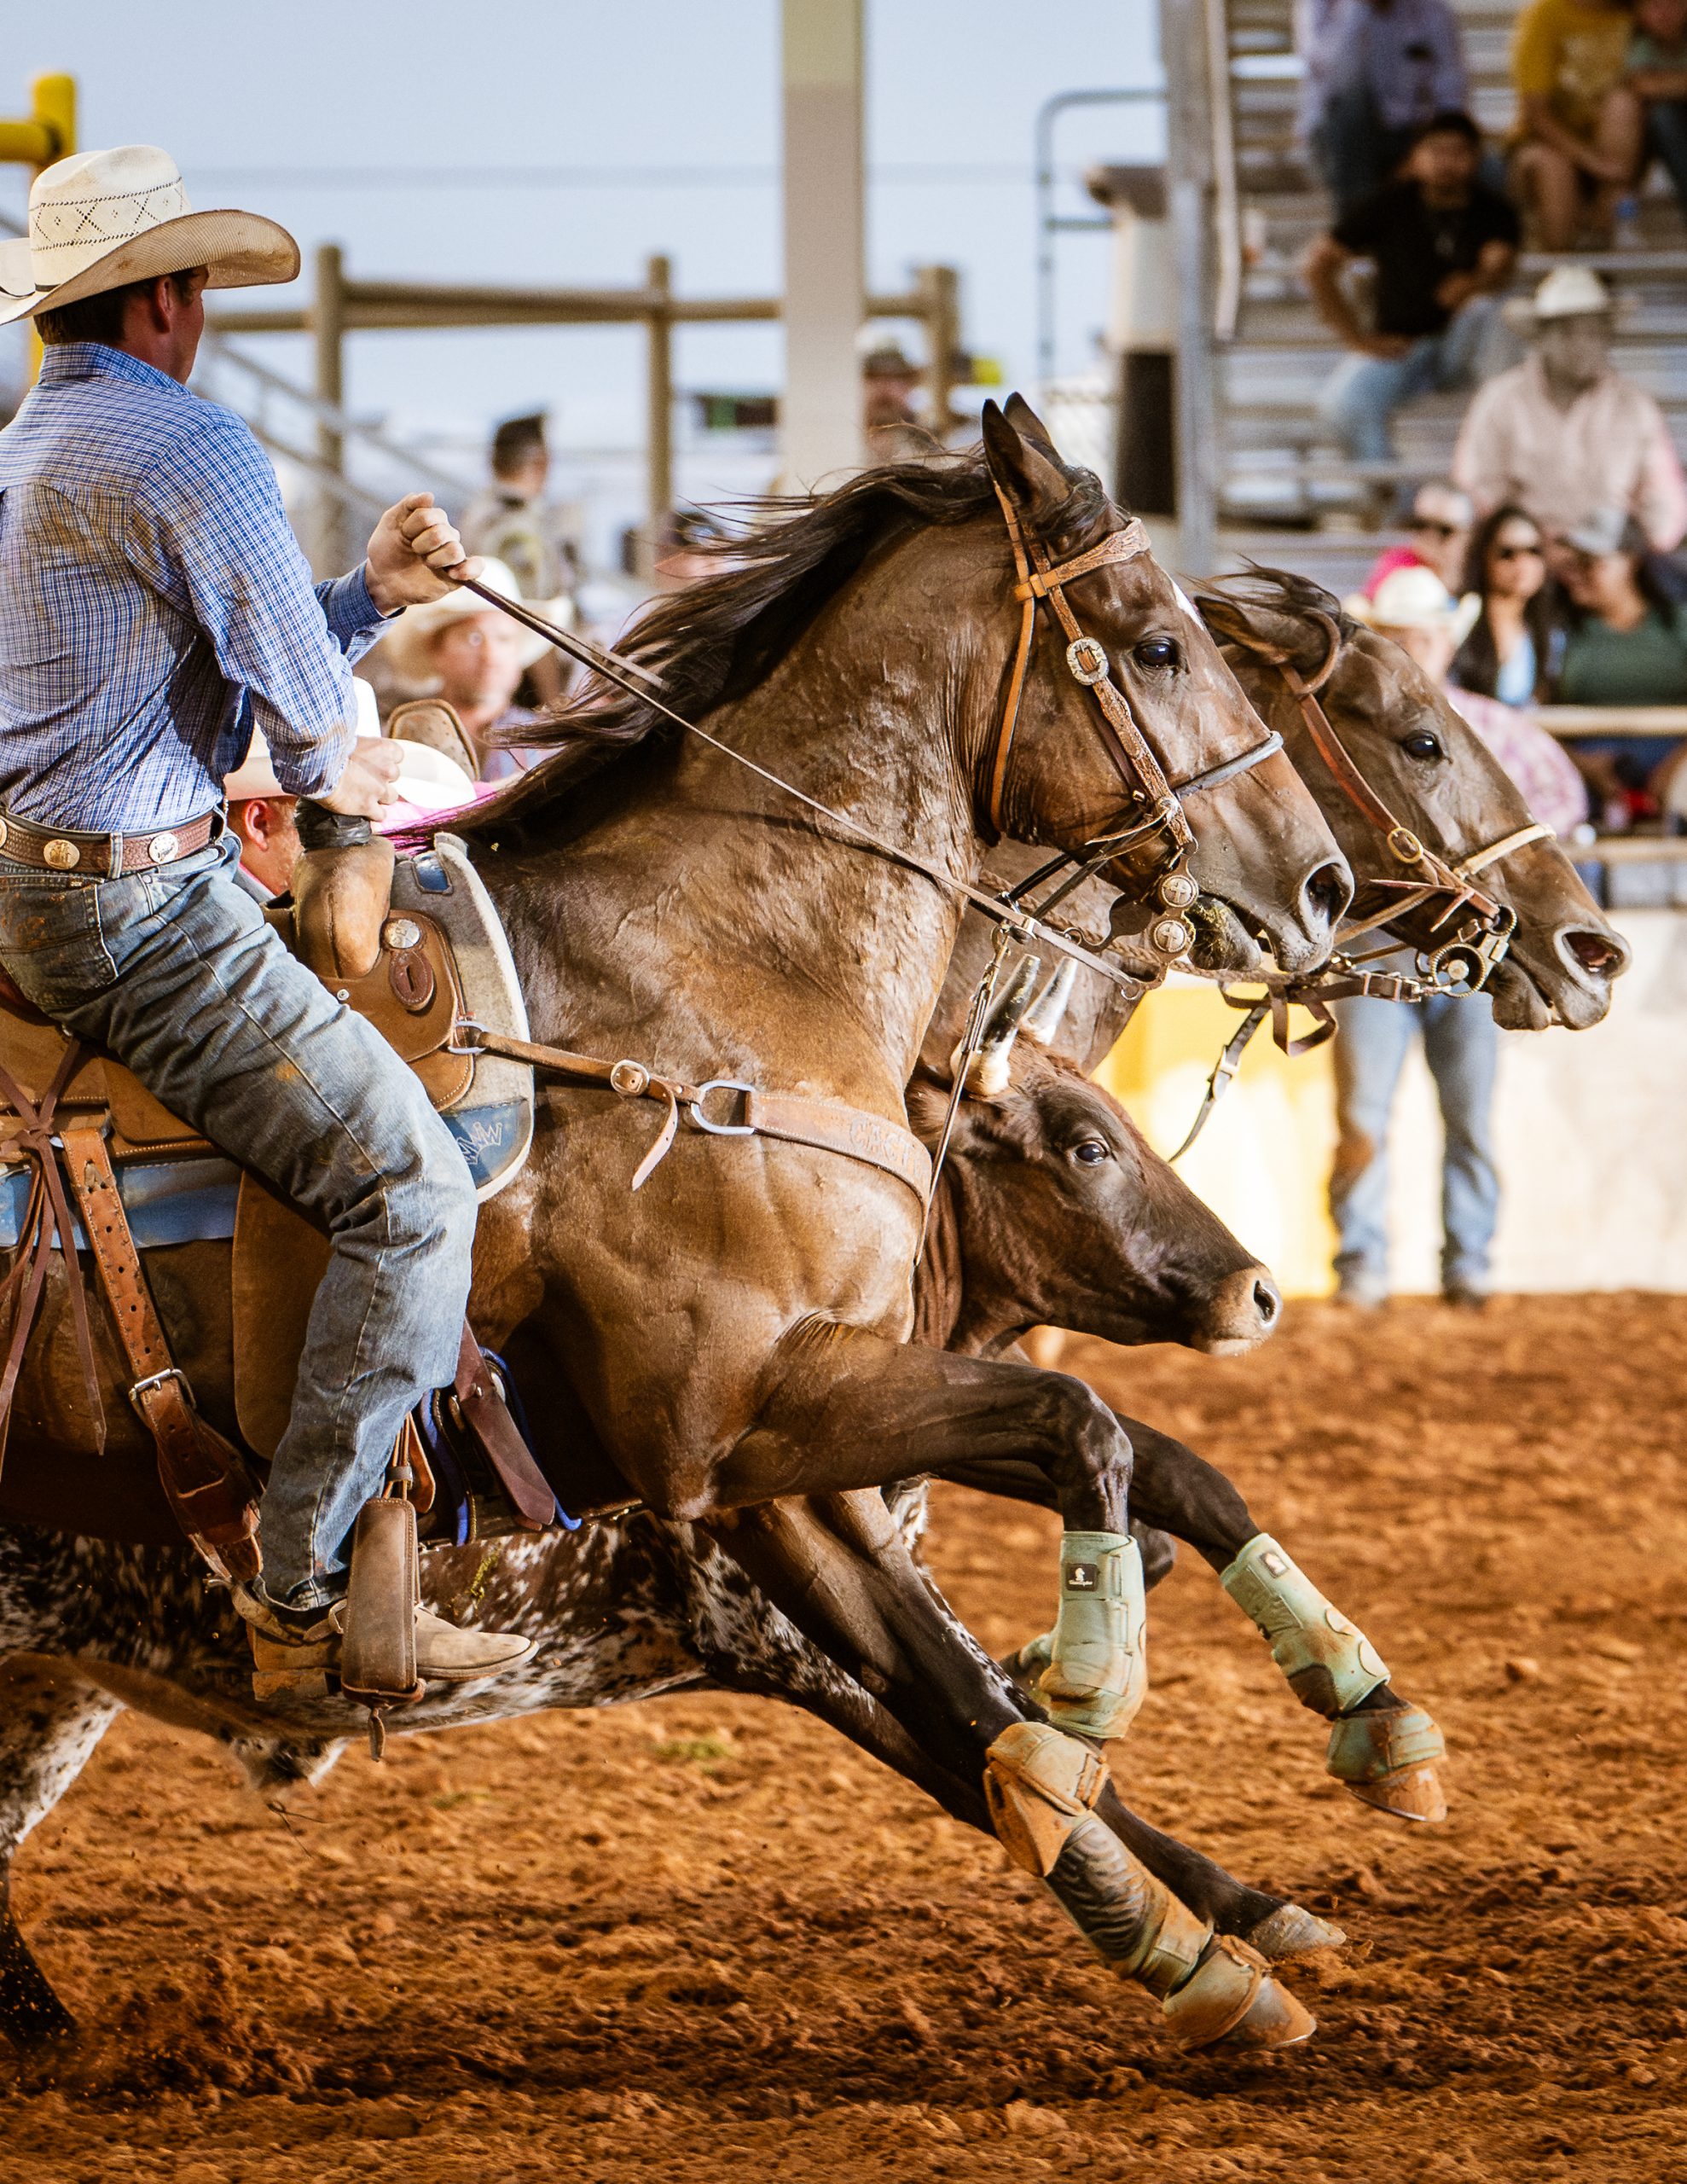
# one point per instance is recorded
(1267, 1300)
(1328, 892)
(1596, 952)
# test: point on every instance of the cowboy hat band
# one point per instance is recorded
(102, 220)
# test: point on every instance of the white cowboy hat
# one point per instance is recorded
(1415, 598)
(406, 643)
(427, 780)
(1570, 292)
(103, 218)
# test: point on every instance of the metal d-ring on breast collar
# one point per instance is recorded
(1040, 578)
(1457, 882)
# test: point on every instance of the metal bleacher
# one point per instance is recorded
(1281, 478)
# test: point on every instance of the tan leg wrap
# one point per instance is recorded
(1039, 1785)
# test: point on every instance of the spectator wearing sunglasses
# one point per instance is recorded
(1437, 535)
(1512, 648)
(1444, 245)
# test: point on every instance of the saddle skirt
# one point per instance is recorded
(443, 961)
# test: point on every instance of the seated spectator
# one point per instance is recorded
(1581, 127)
(1514, 644)
(1436, 536)
(1564, 432)
(1657, 75)
(1625, 645)
(1444, 246)
(462, 650)
(1375, 71)
(1461, 1043)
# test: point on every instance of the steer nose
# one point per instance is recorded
(1243, 1310)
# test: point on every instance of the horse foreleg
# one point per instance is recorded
(839, 1571)
(850, 1410)
(1382, 1748)
(50, 1722)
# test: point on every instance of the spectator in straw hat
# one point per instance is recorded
(1564, 433)
(462, 650)
(1461, 1043)
(154, 609)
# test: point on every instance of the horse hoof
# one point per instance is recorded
(1414, 1793)
(1290, 1932)
(1388, 1760)
(1231, 2000)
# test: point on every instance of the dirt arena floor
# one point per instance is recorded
(701, 1938)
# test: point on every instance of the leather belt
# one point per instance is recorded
(103, 857)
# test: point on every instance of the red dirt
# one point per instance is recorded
(701, 1939)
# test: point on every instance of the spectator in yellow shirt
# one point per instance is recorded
(1582, 129)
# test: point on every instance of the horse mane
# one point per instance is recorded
(716, 640)
(1273, 591)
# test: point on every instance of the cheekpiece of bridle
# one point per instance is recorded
(1157, 803)
(1465, 961)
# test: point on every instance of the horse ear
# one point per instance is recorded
(1026, 422)
(1036, 483)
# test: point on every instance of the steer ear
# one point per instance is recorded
(1033, 477)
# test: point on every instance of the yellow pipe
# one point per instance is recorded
(50, 134)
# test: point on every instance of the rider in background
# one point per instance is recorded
(155, 609)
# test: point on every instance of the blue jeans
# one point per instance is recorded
(1461, 1045)
(1361, 395)
(176, 973)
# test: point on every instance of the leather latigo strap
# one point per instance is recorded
(46, 1221)
(485, 1414)
(726, 1107)
(205, 1478)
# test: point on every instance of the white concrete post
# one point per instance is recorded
(824, 255)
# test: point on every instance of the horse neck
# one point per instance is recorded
(878, 710)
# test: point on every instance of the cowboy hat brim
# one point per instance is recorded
(407, 645)
(243, 250)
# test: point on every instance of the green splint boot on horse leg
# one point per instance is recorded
(1090, 1671)
(1040, 1787)
(1384, 1754)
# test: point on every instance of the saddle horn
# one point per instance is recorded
(987, 1071)
(1043, 1019)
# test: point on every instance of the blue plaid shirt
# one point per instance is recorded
(154, 606)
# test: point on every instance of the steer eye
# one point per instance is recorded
(1420, 744)
(1157, 651)
(1090, 1151)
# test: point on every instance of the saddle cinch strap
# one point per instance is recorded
(743, 1110)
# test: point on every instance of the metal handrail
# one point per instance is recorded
(1050, 223)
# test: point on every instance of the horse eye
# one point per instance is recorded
(1157, 651)
(1421, 744)
(1092, 1151)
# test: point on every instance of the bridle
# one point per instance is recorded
(1466, 959)
(1173, 889)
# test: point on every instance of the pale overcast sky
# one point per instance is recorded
(561, 143)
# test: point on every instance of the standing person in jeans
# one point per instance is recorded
(1461, 1043)
(1444, 246)
(1375, 72)
(154, 609)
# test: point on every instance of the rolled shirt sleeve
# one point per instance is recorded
(207, 530)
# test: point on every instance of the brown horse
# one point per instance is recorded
(736, 1330)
